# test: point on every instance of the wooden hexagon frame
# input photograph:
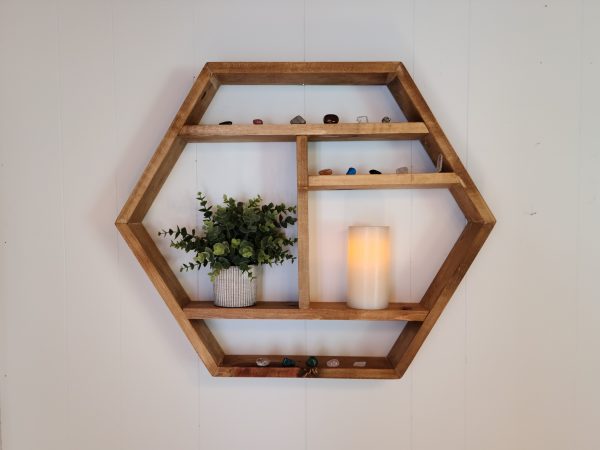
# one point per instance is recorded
(421, 125)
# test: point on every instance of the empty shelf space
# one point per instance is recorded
(245, 366)
(315, 132)
(384, 181)
(316, 311)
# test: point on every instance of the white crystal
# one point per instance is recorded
(359, 363)
(333, 363)
(262, 362)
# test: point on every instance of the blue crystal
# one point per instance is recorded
(351, 171)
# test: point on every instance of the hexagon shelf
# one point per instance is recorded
(422, 125)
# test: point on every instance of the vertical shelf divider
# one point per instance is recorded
(302, 212)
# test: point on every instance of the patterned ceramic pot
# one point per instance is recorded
(234, 289)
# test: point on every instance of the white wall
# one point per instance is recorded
(90, 358)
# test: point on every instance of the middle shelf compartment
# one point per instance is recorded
(316, 311)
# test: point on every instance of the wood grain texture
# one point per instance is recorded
(302, 224)
(314, 132)
(168, 150)
(171, 291)
(384, 181)
(415, 108)
(316, 311)
(453, 176)
(303, 72)
(245, 365)
(439, 293)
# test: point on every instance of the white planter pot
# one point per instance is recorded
(234, 289)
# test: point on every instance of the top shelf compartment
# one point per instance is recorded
(315, 132)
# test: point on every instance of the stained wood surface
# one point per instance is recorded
(169, 150)
(439, 293)
(316, 311)
(302, 224)
(171, 291)
(415, 108)
(351, 73)
(314, 132)
(423, 125)
(245, 366)
(383, 181)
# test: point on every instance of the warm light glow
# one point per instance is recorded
(368, 267)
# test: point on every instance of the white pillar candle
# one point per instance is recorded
(368, 267)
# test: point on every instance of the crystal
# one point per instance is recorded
(362, 119)
(386, 119)
(351, 171)
(325, 172)
(227, 122)
(312, 361)
(440, 163)
(297, 120)
(374, 172)
(333, 363)
(331, 118)
(360, 364)
(287, 362)
(262, 362)
(257, 122)
(402, 169)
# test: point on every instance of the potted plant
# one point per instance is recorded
(236, 239)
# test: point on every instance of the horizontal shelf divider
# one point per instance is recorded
(314, 132)
(245, 366)
(316, 311)
(384, 181)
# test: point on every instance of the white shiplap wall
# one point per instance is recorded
(89, 355)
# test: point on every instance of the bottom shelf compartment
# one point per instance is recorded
(375, 367)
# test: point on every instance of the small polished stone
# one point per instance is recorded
(288, 362)
(262, 362)
(333, 363)
(257, 122)
(351, 171)
(227, 122)
(298, 120)
(360, 364)
(374, 172)
(400, 170)
(312, 361)
(386, 119)
(325, 172)
(331, 118)
(362, 119)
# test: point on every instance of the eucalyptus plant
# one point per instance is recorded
(237, 234)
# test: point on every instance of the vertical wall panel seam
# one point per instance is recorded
(410, 235)
(67, 402)
(115, 133)
(578, 248)
(305, 322)
(466, 280)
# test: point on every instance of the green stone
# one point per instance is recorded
(287, 362)
(312, 362)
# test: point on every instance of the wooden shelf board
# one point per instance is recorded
(316, 311)
(320, 73)
(314, 132)
(384, 181)
(245, 366)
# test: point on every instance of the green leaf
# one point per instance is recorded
(219, 249)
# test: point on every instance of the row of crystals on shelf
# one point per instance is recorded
(312, 364)
(399, 170)
(328, 118)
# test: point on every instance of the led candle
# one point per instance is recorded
(368, 267)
